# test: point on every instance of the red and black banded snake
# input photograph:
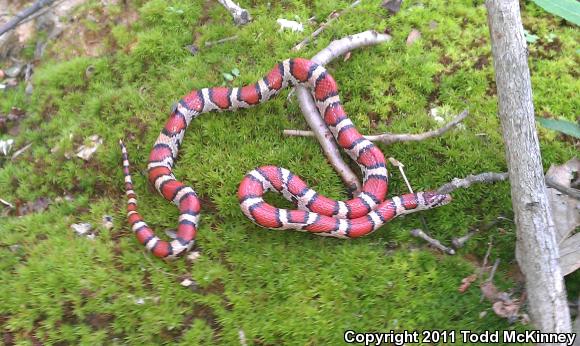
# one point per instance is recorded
(316, 213)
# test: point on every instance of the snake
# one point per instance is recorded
(314, 212)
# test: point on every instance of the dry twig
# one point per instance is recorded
(213, 43)
(20, 16)
(433, 242)
(389, 138)
(241, 16)
(313, 118)
(488, 177)
(484, 264)
(6, 203)
(460, 242)
(21, 150)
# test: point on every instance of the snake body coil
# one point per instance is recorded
(316, 213)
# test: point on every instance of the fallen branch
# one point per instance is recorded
(332, 17)
(389, 138)
(488, 177)
(20, 16)
(241, 16)
(433, 242)
(313, 118)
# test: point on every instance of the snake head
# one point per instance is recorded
(434, 199)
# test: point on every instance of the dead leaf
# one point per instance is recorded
(193, 256)
(108, 222)
(346, 56)
(413, 36)
(395, 162)
(489, 291)
(36, 206)
(393, 6)
(570, 254)
(507, 310)
(565, 209)
(83, 229)
(5, 146)
(566, 214)
(466, 282)
(86, 151)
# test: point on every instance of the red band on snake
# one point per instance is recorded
(316, 213)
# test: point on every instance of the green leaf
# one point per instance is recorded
(236, 72)
(530, 38)
(567, 9)
(563, 126)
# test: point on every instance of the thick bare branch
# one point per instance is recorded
(313, 118)
(241, 16)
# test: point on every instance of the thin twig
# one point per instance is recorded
(488, 177)
(241, 16)
(332, 17)
(6, 203)
(21, 150)
(310, 112)
(14, 22)
(493, 269)
(460, 242)
(213, 43)
(389, 138)
(484, 264)
(398, 164)
(433, 242)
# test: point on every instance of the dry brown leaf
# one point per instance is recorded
(566, 214)
(565, 209)
(413, 36)
(507, 310)
(489, 291)
(393, 6)
(466, 282)
(346, 56)
(570, 254)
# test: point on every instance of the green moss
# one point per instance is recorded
(278, 287)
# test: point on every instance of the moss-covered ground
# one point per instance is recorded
(277, 287)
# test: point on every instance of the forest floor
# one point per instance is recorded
(115, 72)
